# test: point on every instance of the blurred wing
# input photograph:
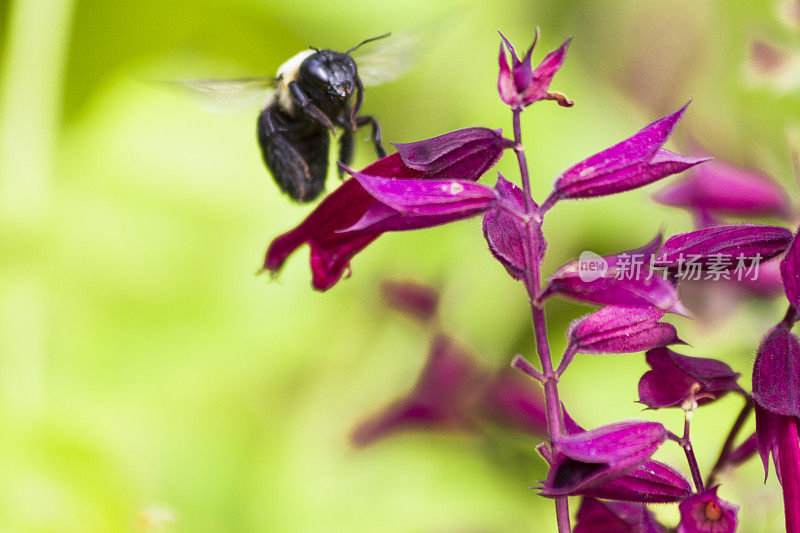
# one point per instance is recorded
(232, 95)
(388, 59)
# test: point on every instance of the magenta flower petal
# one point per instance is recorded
(674, 377)
(520, 85)
(537, 85)
(331, 250)
(776, 373)
(790, 273)
(429, 198)
(463, 155)
(589, 459)
(625, 280)
(630, 164)
(515, 401)
(721, 187)
(724, 246)
(705, 512)
(595, 516)
(443, 398)
(507, 235)
(615, 330)
(417, 300)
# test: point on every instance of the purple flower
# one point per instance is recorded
(790, 273)
(724, 247)
(675, 378)
(444, 397)
(586, 460)
(623, 280)
(615, 329)
(459, 155)
(515, 401)
(778, 435)
(506, 233)
(633, 163)
(705, 512)
(596, 516)
(723, 188)
(650, 482)
(521, 85)
(413, 298)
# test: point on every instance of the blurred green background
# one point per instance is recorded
(149, 381)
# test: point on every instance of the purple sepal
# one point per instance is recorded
(622, 283)
(790, 273)
(586, 460)
(596, 516)
(324, 228)
(417, 300)
(705, 512)
(615, 330)
(630, 164)
(776, 373)
(520, 85)
(516, 402)
(651, 482)
(506, 234)
(724, 246)
(675, 377)
(444, 397)
(464, 154)
(721, 187)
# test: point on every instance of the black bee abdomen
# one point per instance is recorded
(296, 153)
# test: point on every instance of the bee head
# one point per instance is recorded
(330, 73)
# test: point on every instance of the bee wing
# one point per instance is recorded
(388, 59)
(229, 95)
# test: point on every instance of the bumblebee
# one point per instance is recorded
(316, 92)
(313, 95)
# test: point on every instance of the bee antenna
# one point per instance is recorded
(367, 41)
(313, 48)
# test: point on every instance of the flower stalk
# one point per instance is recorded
(532, 285)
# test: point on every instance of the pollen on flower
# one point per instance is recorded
(713, 512)
(456, 188)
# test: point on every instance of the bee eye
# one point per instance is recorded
(316, 71)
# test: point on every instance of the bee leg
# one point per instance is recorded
(345, 150)
(376, 133)
(304, 103)
(288, 167)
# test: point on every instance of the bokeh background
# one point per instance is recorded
(150, 381)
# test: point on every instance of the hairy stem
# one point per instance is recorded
(722, 460)
(532, 284)
(686, 444)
